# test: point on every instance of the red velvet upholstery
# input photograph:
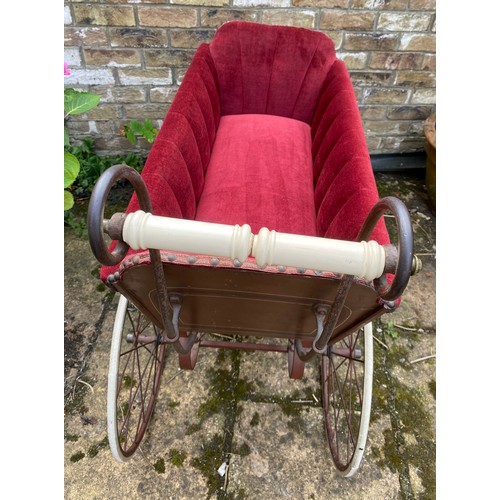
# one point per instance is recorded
(260, 174)
(252, 69)
(345, 188)
(175, 170)
(274, 70)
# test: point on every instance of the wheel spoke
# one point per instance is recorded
(138, 359)
(343, 379)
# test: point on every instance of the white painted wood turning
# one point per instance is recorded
(363, 259)
(142, 230)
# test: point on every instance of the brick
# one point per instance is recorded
(336, 20)
(262, 3)
(429, 63)
(76, 127)
(422, 5)
(101, 76)
(143, 111)
(394, 60)
(114, 57)
(127, 1)
(414, 21)
(415, 79)
(68, 19)
(113, 145)
(424, 96)
(92, 37)
(384, 96)
(162, 94)
(371, 78)
(372, 112)
(331, 4)
(379, 4)
(145, 76)
(104, 15)
(354, 60)
(373, 144)
(409, 112)
(213, 18)
(118, 94)
(166, 58)
(169, 17)
(128, 94)
(418, 42)
(384, 127)
(104, 112)
(211, 3)
(137, 37)
(72, 56)
(188, 39)
(102, 127)
(370, 41)
(417, 127)
(298, 18)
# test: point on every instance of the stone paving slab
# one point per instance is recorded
(243, 407)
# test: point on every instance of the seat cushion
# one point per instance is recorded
(260, 173)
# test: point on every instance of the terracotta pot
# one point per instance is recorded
(430, 149)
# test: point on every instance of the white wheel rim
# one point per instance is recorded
(114, 363)
(367, 402)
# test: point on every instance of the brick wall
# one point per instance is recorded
(134, 54)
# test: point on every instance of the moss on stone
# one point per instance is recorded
(159, 466)
(95, 448)
(77, 456)
(209, 461)
(177, 457)
(408, 413)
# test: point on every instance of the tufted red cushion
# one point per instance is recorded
(260, 173)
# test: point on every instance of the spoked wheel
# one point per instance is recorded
(347, 373)
(135, 369)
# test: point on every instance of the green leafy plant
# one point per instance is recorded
(92, 165)
(137, 129)
(390, 330)
(75, 103)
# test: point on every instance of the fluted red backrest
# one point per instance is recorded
(274, 70)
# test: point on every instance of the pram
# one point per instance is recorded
(257, 217)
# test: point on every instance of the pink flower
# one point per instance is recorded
(67, 72)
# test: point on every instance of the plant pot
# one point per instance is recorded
(430, 149)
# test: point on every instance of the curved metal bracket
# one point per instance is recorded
(405, 265)
(95, 216)
(99, 247)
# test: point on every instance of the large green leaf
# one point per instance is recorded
(79, 102)
(71, 168)
(68, 200)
